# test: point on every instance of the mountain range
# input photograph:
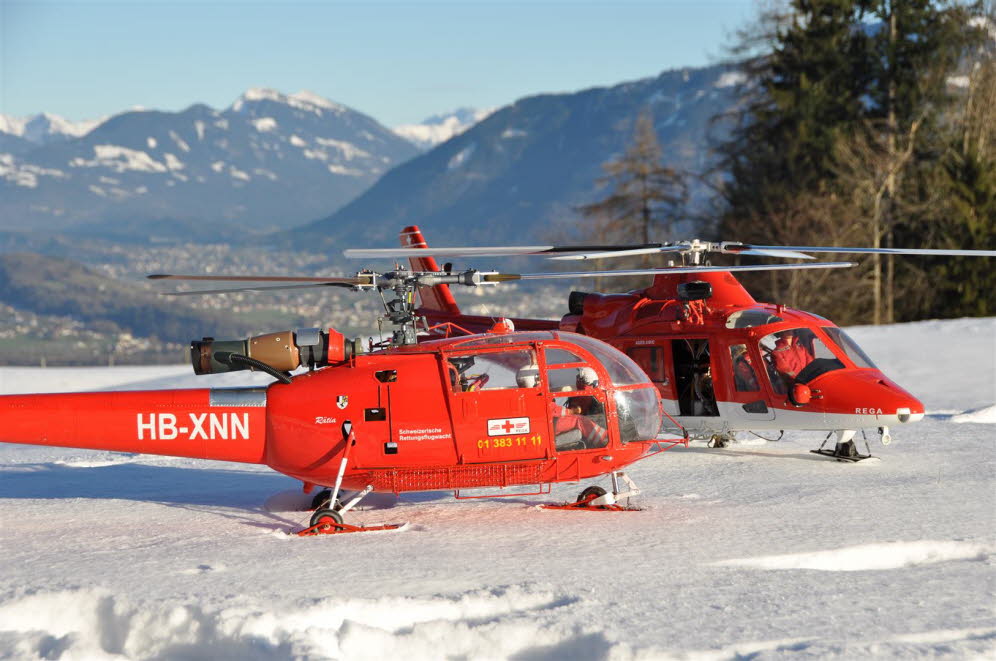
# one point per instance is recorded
(266, 162)
(520, 173)
(274, 162)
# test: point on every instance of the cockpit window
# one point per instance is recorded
(751, 318)
(848, 346)
(651, 361)
(494, 371)
(556, 356)
(571, 378)
(796, 355)
(622, 370)
(579, 422)
(744, 376)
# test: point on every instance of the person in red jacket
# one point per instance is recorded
(744, 377)
(592, 435)
(790, 355)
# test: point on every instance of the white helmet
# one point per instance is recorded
(528, 376)
(587, 378)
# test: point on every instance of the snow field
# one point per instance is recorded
(95, 624)
(758, 550)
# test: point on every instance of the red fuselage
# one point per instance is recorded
(720, 364)
(447, 414)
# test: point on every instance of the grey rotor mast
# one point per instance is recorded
(400, 311)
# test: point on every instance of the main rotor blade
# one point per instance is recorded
(745, 248)
(504, 277)
(262, 278)
(621, 252)
(781, 254)
(488, 251)
(676, 248)
(198, 292)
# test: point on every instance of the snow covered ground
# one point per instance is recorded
(760, 551)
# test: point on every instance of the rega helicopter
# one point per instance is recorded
(722, 362)
(493, 410)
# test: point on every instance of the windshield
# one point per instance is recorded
(639, 414)
(848, 346)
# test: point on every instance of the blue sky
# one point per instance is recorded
(397, 61)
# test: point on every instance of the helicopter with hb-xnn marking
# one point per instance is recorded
(493, 410)
(722, 362)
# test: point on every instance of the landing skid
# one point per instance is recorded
(327, 519)
(332, 528)
(597, 499)
(844, 450)
(842, 457)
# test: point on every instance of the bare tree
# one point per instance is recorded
(870, 164)
(820, 219)
(647, 197)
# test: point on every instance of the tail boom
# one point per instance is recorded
(221, 424)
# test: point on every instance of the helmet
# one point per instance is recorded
(527, 376)
(587, 377)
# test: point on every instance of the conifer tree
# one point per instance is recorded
(800, 95)
(851, 109)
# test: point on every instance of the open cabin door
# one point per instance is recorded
(694, 377)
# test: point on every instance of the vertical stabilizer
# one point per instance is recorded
(437, 298)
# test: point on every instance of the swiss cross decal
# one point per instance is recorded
(508, 426)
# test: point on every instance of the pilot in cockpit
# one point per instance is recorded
(585, 404)
(791, 354)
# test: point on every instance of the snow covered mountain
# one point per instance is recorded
(45, 128)
(268, 161)
(440, 128)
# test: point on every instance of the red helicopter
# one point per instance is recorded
(722, 362)
(491, 410)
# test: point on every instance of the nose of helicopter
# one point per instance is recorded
(870, 397)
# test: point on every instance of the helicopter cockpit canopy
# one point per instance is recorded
(579, 372)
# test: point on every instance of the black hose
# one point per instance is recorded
(229, 358)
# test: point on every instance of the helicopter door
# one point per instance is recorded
(577, 406)
(499, 412)
(693, 377)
